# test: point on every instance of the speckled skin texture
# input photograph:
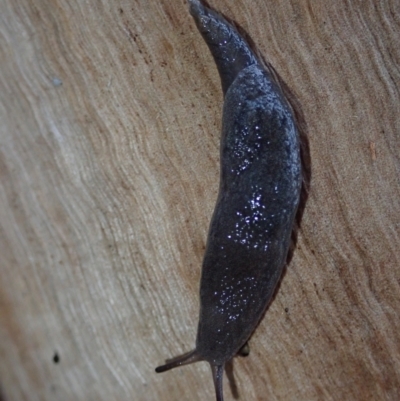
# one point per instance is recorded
(259, 192)
(252, 223)
(260, 184)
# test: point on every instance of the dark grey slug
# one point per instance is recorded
(259, 193)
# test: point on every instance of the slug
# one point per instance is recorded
(260, 183)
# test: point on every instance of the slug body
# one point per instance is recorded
(250, 231)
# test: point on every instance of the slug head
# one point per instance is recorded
(192, 357)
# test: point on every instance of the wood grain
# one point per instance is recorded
(110, 117)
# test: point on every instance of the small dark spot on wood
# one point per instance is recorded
(56, 358)
(287, 310)
(121, 11)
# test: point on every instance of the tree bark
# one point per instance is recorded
(109, 160)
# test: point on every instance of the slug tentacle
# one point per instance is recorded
(217, 372)
(185, 359)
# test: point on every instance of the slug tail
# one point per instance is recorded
(185, 359)
(217, 372)
(230, 51)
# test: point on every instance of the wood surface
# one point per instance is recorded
(109, 158)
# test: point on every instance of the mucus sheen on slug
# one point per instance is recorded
(260, 182)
